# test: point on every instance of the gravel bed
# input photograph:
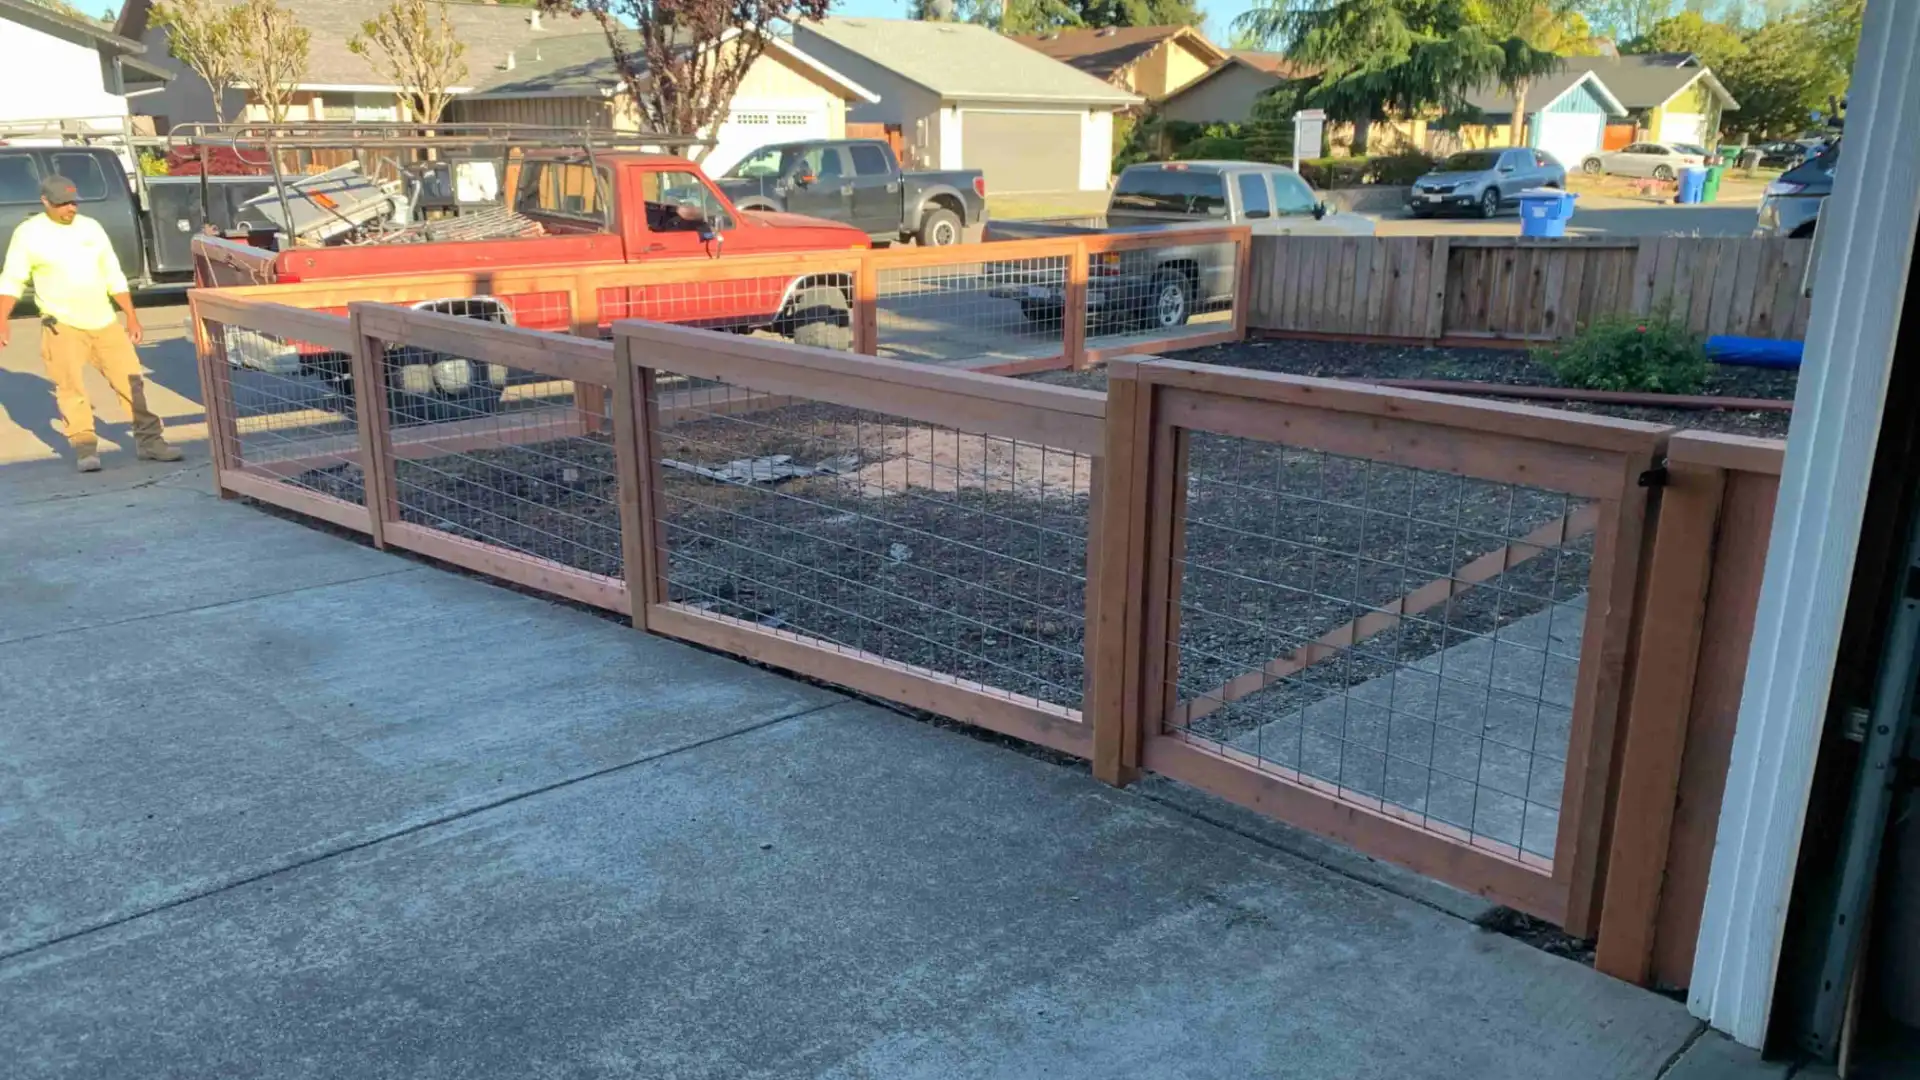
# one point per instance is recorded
(1352, 360)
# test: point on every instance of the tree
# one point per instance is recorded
(1779, 78)
(1625, 19)
(1039, 16)
(1534, 35)
(1714, 43)
(686, 58)
(273, 54)
(1378, 58)
(414, 42)
(1837, 25)
(204, 36)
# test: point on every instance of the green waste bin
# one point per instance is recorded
(1712, 191)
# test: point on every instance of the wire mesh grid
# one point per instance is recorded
(1007, 309)
(1398, 637)
(814, 309)
(292, 410)
(1160, 293)
(920, 544)
(504, 456)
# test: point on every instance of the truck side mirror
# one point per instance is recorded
(707, 233)
(804, 178)
(1319, 210)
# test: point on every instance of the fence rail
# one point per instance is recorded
(1402, 620)
(1012, 307)
(1514, 290)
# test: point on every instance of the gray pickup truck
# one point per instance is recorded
(859, 182)
(1162, 286)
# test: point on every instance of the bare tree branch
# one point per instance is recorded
(413, 41)
(204, 36)
(273, 54)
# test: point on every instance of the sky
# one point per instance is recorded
(1219, 25)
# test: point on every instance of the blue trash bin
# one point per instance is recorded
(1545, 212)
(1693, 184)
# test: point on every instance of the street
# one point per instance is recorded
(1594, 215)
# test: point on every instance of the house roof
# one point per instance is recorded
(964, 61)
(1272, 63)
(1105, 52)
(489, 31)
(100, 33)
(1646, 82)
(581, 65)
(1544, 91)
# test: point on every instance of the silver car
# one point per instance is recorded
(1483, 181)
(1662, 161)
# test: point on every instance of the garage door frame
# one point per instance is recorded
(1594, 123)
(726, 152)
(1072, 180)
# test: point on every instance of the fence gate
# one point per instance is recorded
(1398, 620)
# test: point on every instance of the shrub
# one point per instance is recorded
(1655, 353)
(1329, 173)
(1399, 169)
(1214, 148)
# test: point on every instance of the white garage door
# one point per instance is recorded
(1684, 127)
(1022, 151)
(749, 127)
(1570, 137)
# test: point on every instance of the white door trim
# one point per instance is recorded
(1862, 278)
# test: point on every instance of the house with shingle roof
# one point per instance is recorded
(1566, 115)
(522, 67)
(1152, 61)
(1669, 97)
(1226, 93)
(965, 97)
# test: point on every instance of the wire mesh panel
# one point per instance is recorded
(1007, 310)
(1162, 296)
(812, 307)
(502, 456)
(1402, 637)
(957, 553)
(289, 407)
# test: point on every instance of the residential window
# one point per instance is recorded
(19, 179)
(85, 172)
(1255, 202)
(679, 202)
(869, 160)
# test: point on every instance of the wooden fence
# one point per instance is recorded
(1401, 620)
(1006, 308)
(1486, 290)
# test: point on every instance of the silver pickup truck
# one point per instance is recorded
(1162, 286)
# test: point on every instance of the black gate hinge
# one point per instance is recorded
(1655, 477)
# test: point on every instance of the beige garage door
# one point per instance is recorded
(1022, 151)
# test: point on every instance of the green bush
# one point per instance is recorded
(1400, 169)
(1214, 148)
(1329, 173)
(1655, 353)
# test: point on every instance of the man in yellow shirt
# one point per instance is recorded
(71, 265)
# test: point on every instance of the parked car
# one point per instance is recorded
(858, 181)
(1163, 286)
(569, 209)
(1662, 161)
(1483, 181)
(1791, 205)
(1780, 155)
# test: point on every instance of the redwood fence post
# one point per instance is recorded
(866, 306)
(636, 425)
(223, 437)
(1073, 310)
(379, 483)
(1117, 577)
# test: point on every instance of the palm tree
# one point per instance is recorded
(1533, 36)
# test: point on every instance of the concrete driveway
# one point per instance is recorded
(273, 803)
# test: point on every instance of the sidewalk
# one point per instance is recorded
(273, 803)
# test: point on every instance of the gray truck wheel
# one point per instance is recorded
(939, 228)
(1172, 300)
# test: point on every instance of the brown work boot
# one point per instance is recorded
(89, 463)
(159, 451)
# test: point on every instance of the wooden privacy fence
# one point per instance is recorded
(1011, 307)
(1473, 290)
(1404, 621)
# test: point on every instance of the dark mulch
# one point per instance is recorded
(1514, 367)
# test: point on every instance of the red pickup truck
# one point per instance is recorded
(614, 208)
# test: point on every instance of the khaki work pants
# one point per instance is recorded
(67, 350)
